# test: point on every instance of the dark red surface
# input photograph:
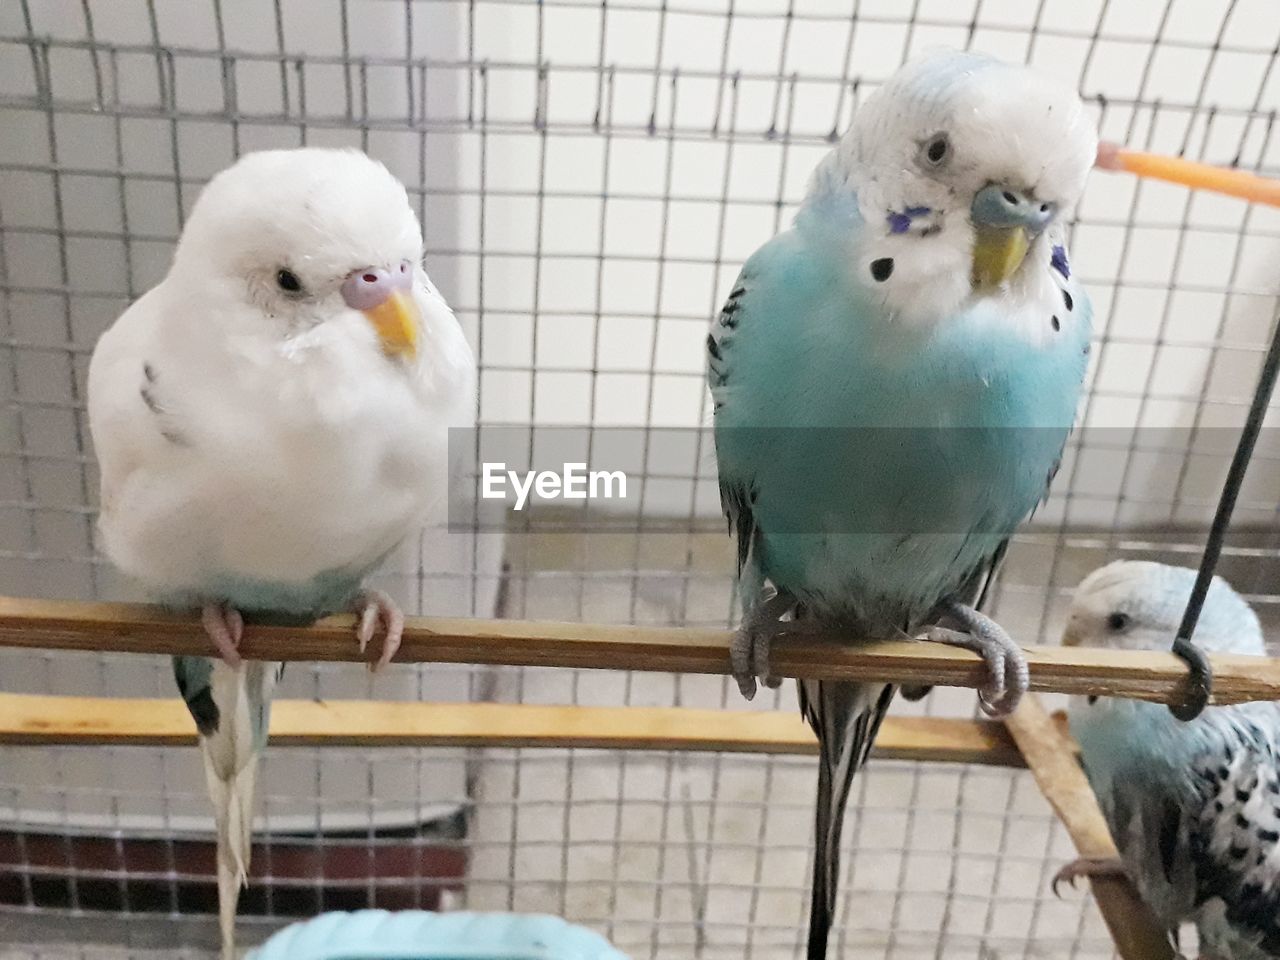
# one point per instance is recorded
(289, 877)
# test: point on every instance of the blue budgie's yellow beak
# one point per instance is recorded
(1005, 222)
(385, 297)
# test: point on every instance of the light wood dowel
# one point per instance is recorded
(129, 628)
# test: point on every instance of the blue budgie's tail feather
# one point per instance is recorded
(845, 717)
(232, 710)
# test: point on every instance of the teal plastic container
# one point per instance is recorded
(421, 935)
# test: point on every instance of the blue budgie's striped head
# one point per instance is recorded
(963, 168)
(1138, 605)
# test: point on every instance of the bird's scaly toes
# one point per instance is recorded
(1086, 867)
(225, 627)
(374, 607)
(749, 657)
(1008, 677)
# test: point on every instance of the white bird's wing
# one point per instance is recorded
(135, 412)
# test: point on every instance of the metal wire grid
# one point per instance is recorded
(589, 177)
(958, 873)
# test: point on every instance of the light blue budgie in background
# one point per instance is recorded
(420, 935)
(270, 421)
(893, 381)
(1194, 807)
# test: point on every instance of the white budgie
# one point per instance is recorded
(1194, 807)
(270, 421)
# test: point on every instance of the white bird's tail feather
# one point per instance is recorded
(231, 756)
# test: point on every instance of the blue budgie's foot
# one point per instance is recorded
(749, 649)
(374, 607)
(1009, 678)
(225, 627)
(1087, 867)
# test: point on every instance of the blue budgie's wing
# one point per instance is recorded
(1235, 840)
(735, 490)
(1199, 831)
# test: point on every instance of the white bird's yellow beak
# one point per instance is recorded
(997, 253)
(398, 323)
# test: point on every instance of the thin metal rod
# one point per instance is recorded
(1222, 518)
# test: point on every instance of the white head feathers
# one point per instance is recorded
(920, 150)
(1004, 124)
(1138, 605)
(317, 213)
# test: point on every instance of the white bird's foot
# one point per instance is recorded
(374, 607)
(225, 627)
(1009, 677)
(749, 648)
(1087, 867)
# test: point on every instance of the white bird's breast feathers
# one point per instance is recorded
(279, 461)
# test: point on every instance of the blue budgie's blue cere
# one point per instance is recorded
(893, 381)
(420, 935)
(1194, 807)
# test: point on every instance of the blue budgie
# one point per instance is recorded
(893, 382)
(1194, 807)
(418, 935)
(270, 421)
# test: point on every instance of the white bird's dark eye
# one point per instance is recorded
(1117, 621)
(288, 281)
(937, 149)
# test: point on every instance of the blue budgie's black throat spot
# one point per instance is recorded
(1066, 299)
(1055, 323)
(882, 269)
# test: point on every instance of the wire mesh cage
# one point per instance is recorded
(590, 177)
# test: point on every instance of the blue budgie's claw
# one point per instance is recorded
(1009, 677)
(1087, 867)
(749, 648)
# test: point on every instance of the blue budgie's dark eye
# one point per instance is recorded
(937, 149)
(1117, 621)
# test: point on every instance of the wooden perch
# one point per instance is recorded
(128, 628)
(80, 721)
(1051, 755)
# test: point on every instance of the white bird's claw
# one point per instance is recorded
(225, 627)
(374, 607)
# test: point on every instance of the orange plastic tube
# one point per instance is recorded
(1197, 176)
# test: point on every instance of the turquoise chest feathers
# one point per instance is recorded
(916, 451)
